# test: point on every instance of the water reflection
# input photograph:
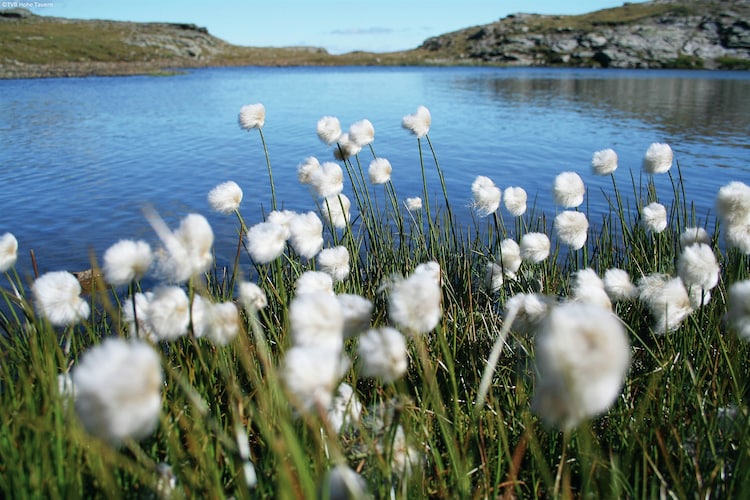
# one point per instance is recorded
(692, 106)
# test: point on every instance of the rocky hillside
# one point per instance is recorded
(43, 46)
(659, 34)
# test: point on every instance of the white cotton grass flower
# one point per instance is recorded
(667, 299)
(654, 217)
(699, 297)
(604, 162)
(529, 310)
(486, 196)
(382, 353)
(328, 180)
(618, 285)
(249, 474)
(380, 171)
(329, 130)
(346, 147)
(137, 321)
(431, 269)
(698, 267)
(252, 116)
(197, 238)
(307, 169)
(419, 122)
(515, 198)
(535, 247)
(589, 288)
(493, 277)
(8, 251)
(266, 241)
(693, 235)
(310, 374)
(226, 197)
(334, 261)
(336, 210)
(738, 308)
(168, 313)
(405, 458)
(252, 297)
(166, 481)
(342, 482)
(738, 236)
(221, 322)
(569, 189)
(510, 257)
(572, 228)
(126, 261)
(188, 248)
(362, 133)
(414, 303)
(733, 203)
(200, 316)
(315, 282)
(357, 313)
(658, 158)
(57, 297)
(316, 320)
(118, 389)
(582, 357)
(733, 206)
(306, 234)
(281, 217)
(413, 204)
(345, 408)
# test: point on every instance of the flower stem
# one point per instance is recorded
(270, 171)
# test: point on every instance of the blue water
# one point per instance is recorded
(80, 157)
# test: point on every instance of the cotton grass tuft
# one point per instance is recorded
(225, 198)
(569, 189)
(118, 390)
(329, 129)
(252, 116)
(126, 261)
(57, 298)
(486, 196)
(604, 162)
(8, 251)
(582, 357)
(419, 122)
(658, 158)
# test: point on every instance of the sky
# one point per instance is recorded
(337, 26)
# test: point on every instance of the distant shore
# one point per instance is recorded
(666, 34)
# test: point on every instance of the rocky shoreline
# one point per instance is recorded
(658, 34)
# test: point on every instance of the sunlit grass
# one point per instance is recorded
(228, 428)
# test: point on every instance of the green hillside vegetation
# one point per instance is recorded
(32, 46)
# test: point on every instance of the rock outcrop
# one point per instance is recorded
(657, 34)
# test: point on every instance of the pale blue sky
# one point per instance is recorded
(339, 26)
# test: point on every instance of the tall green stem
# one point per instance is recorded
(270, 171)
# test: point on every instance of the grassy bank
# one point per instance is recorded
(39, 46)
(244, 407)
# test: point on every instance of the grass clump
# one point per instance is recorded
(269, 386)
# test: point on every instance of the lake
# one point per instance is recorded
(80, 157)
